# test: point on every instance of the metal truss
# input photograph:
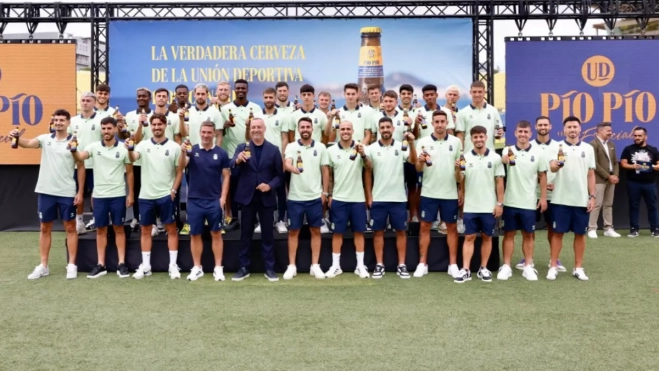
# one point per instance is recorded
(482, 12)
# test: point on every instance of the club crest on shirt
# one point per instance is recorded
(532, 158)
(315, 121)
(93, 127)
(338, 157)
(196, 154)
(450, 148)
(215, 156)
(432, 148)
(489, 117)
(148, 150)
(98, 153)
(398, 123)
(116, 155)
(276, 122)
(169, 122)
(167, 153)
(489, 164)
(471, 117)
(396, 152)
(315, 153)
(359, 115)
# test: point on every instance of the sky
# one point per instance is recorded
(501, 28)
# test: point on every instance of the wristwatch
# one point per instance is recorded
(499, 204)
(173, 191)
(326, 194)
(591, 196)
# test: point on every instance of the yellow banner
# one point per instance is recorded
(35, 80)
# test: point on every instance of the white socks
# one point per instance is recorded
(146, 259)
(79, 219)
(360, 259)
(336, 260)
(173, 256)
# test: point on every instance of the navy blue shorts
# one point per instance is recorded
(396, 211)
(342, 212)
(570, 219)
(479, 223)
(448, 210)
(516, 219)
(163, 207)
(410, 175)
(547, 215)
(106, 209)
(89, 180)
(202, 210)
(50, 206)
(298, 209)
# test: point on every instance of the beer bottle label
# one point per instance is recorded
(370, 62)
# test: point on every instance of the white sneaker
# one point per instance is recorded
(324, 228)
(195, 274)
(415, 219)
(611, 233)
(174, 272)
(592, 234)
(38, 272)
(80, 228)
(579, 274)
(134, 224)
(441, 228)
(421, 270)
(218, 274)
(71, 271)
(559, 266)
(362, 272)
(529, 273)
(552, 274)
(434, 226)
(142, 271)
(159, 225)
(453, 270)
(504, 273)
(91, 225)
(317, 272)
(461, 226)
(281, 227)
(258, 228)
(291, 272)
(154, 230)
(333, 272)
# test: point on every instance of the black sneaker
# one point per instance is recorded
(463, 276)
(402, 272)
(97, 271)
(484, 274)
(379, 271)
(233, 225)
(122, 271)
(634, 233)
(270, 275)
(240, 275)
(655, 233)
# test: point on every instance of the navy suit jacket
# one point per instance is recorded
(269, 170)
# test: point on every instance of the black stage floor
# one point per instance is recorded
(438, 259)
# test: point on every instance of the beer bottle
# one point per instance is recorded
(131, 141)
(403, 147)
(186, 114)
(295, 102)
(248, 152)
(145, 122)
(415, 102)
(371, 71)
(73, 144)
(300, 165)
(52, 124)
(115, 115)
(14, 139)
(424, 125)
(333, 105)
(231, 118)
(463, 162)
(497, 127)
(250, 117)
(638, 171)
(511, 156)
(353, 154)
(406, 115)
(561, 156)
(428, 161)
(188, 147)
(337, 121)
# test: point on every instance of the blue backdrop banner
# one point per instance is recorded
(324, 53)
(603, 79)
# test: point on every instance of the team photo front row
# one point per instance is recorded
(544, 178)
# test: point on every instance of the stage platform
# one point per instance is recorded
(438, 259)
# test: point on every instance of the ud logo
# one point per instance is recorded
(489, 164)
(532, 158)
(338, 157)
(215, 156)
(583, 154)
(315, 153)
(396, 152)
(49, 143)
(450, 148)
(276, 122)
(489, 117)
(116, 155)
(359, 115)
(98, 153)
(167, 153)
(598, 71)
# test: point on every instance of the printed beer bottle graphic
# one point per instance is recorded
(371, 71)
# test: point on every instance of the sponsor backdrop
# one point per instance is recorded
(28, 106)
(596, 80)
(324, 53)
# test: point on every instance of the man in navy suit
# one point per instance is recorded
(260, 173)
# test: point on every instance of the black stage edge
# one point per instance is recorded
(438, 258)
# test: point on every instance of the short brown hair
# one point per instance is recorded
(160, 117)
(440, 113)
(391, 94)
(103, 87)
(478, 130)
(603, 125)
(478, 84)
(269, 91)
(160, 90)
(208, 124)
(523, 124)
(373, 87)
(351, 86)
